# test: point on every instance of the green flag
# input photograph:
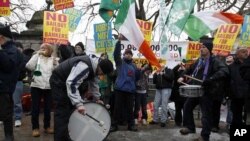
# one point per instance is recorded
(107, 8)
(179, 14)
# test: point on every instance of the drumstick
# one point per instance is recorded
(193, 78)
(101, 123)
(183, 83)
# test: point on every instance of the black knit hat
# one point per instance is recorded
(208, 45)
(5, 31)
(106, 66)
(81, 45)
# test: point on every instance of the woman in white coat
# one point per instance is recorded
(42, 64)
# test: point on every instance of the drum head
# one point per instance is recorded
(83, 128)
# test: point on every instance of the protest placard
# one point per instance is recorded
(74, 16)
(225, 38)
(146, 28)
(193, 51)
(103, 37)
(245, 32)
(4, 7)
(63, 4)
(55, 28)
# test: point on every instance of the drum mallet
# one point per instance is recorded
(101, 123)
(193, 78)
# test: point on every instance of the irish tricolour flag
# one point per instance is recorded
(127, 26)
(201, 23)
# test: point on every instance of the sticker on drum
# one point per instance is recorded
(94, 127)
(191, 91)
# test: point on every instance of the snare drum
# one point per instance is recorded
(191, 91)
(83, 128)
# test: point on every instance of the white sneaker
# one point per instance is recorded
(136, 121)
(18, 123)
(144, 122)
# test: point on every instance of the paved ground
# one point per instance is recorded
(146, 133)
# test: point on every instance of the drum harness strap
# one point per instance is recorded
(199, 65)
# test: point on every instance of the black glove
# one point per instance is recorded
(207, 82)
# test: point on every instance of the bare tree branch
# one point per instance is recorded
(230, 6)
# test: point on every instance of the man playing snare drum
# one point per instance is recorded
(211, 71)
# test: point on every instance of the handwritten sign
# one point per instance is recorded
(225, 38)
(74, 18)
(55, 28)
(4, 7)
(103, 37)
(146, 29)
(63, 4)
(245, 32)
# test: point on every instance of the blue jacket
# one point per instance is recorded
(10, 63)
(127, 73)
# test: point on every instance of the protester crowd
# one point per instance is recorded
(68, 77)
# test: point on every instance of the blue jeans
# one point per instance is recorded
(17, 97)
(161, 99)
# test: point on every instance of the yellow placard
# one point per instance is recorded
(193, 50)
(63, 4)
(146, 28)
(225, 38)
(55, 28)
(4, 7)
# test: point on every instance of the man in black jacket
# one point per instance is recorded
(245, 74)
(239, 87)
(10, 61)
(210, 70)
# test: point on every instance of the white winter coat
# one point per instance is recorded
(46, 68)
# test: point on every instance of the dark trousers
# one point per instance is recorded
(141, 102)
(179, 105)
(63, 109)
(216, 113)
(123, 99)
(36, 96)
(237, 106)
(205, 104)
(6, 114)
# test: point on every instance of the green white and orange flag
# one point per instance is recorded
(127, 26)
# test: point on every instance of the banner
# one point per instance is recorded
(224, 39)
(193, 50)
(103, 37)
(146, 29)
(176, 52)
(4, 7)
(63, 4)
(74, 16)
(245, 32)
(55, 28)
